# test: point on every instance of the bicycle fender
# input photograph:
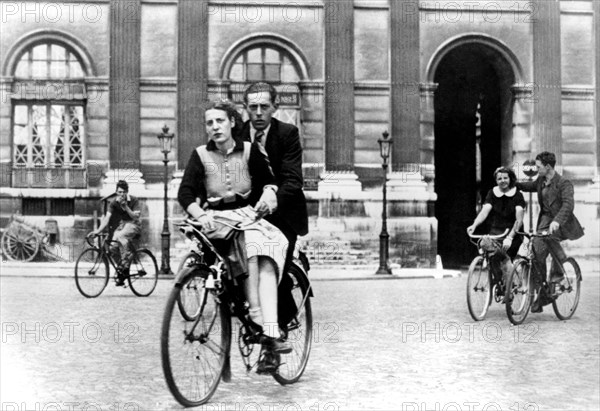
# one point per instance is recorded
(301, 269)
(181, 275)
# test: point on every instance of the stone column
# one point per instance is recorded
(405, 95)
(192, 76)
(405, 98)
(597, 54)
(522, 139)
(547, 78)
(339, 175)
(124, 94)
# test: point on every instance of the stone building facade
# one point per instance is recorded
(462, 86)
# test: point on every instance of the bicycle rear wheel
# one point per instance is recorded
(518, 292)
(568, 291)
(91, 273)
(194, 353)
(479, 288)
(192, 292)
(143, 273)
(292, 365)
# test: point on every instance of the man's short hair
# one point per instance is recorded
(546, 157)
(261, 87)
(123, 184)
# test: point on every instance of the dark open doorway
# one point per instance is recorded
(473, 83)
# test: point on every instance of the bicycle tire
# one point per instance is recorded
(186, 355)
(190, 298)
(143, 273)
(567, 300)
(479, 289)
(518, 292)
(292, 365)
(91, 272)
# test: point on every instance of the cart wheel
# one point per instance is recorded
(20, 245)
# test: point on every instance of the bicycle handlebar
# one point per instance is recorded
(531, 235)
(89, 237)
(490, 236)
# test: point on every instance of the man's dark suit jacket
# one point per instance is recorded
(561, 204)
(285, 155)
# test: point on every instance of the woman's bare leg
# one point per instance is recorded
(251, 290)
(267, 292)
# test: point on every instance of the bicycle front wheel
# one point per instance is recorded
(518, 292)
(194, 353)
(479, 288)
(143, 273)
(568, 290)
(293, 364)
(91, 272)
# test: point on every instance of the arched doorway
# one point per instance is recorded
(473, 136)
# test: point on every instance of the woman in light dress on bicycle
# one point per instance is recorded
(503, 209)
(229, 177)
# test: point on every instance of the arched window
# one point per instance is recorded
(270, 59)
(48, 111)
(270, 64)
(49, 61)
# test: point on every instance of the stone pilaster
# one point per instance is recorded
(596, 5)
(124, 83)
(339, 97)
(192, 76)
(547, 78)
(405, 93)
(522, 140)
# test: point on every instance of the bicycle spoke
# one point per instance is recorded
(91, 273)
(292, 365)
(143, 273)
(194, 352)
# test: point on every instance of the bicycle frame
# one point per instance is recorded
(104, 242)
(531, 256)
(216, 282)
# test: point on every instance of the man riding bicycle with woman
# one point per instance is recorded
(504, 206)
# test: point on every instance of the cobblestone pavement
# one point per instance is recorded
(407, 345)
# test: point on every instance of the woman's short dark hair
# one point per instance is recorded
(228, 107)
(511, 175)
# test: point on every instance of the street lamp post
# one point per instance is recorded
(384, 237)
(530, 170)
(166, 140)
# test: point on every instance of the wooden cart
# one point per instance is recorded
(22, 241)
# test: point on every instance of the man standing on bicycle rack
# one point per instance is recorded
(281, 142)
(555, 197)
(124, 210)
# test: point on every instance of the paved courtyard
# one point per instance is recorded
(398, 344)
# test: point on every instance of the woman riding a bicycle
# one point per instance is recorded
(229, 177)
(503, 209)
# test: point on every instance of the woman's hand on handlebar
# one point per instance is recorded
(206, 222)
(471, 229)
(262, 209)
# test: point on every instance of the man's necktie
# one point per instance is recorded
(258, 136)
